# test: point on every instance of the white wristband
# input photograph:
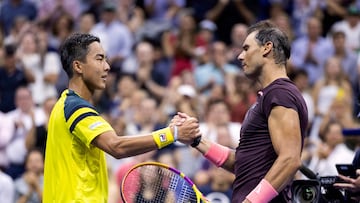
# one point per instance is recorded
(175, 133)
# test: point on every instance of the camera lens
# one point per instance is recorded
(307, 193)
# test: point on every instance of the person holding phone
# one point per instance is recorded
(351, 184)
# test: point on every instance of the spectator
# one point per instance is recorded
(226, 13)
(86, 22)
(240, 96)
(51, 10)
(36, 137)
(121, 104)
(218, 187)
(349, 63)
(187, 101)
(21, 116)
(350, 25)
(303, 10)
(7, 129)
(311, 51)
(300, 79)
(7, 189)
(29, 187)
(238, 35)
(332, 84)
(204, 38)
(115, 37)
(12, 76)
(20, 26)
(94, 7)
(131, 15)
(150, 76)
(147, 116)
(217, 114)
(347, 57)
(62, 27)
(341, 111)
(11, 9)
(330, 151)
(181, 43)
(215, 71)
(283, 21)
(331, 12)
(44, 65)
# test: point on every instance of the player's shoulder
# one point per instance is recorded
(73, 102)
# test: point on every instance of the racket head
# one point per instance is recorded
(158, 182)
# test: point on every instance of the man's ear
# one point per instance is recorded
(267, 48)
(77, 66)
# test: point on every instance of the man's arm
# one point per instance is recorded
(125, 146)
(285, 133)
(284, 126)
(228, 163)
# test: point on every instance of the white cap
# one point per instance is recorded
(208, 25)
(187, 90)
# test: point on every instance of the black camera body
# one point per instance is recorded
(320, 190)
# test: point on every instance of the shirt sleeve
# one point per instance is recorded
(279, 97)
(86, 124)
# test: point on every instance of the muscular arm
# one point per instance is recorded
(284, 127)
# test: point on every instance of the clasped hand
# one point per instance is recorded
(188, 127)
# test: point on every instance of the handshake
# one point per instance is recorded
(182, 128)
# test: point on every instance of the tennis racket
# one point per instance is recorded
(154, 182)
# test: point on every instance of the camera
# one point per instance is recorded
(318, 191)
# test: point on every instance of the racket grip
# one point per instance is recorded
(196, 142)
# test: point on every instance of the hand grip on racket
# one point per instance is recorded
(158, 182)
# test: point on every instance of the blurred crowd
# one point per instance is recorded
(168, 56)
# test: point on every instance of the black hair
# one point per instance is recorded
(268, 32)
(10, 49)
(75, 47)
(296, 73)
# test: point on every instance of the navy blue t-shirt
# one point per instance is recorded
(8, 85)
(255, 154)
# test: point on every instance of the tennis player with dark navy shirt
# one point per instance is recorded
(255, 154)
(272, 134)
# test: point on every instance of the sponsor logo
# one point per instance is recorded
(94, 125)
(162, 137)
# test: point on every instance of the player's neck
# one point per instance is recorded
(272, 73)
(81, 89)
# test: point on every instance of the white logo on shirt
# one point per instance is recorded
(94, 125)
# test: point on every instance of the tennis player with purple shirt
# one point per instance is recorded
(272, 134)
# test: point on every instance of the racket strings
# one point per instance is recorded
(182, 189)
(153, 184)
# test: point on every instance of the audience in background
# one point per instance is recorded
(168, 56)
(7, 189)
(333, 83)
(16, 150)
(330, 151)
(310, 51)
(115, 36)
(7, 129)
(12, 76)
(29, 187)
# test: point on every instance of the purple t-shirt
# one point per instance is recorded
(255, 154)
